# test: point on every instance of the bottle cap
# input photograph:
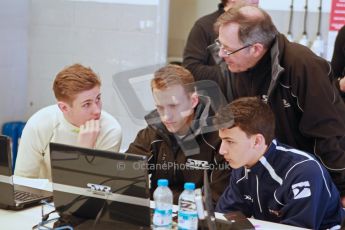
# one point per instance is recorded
(162, 182)
(189, 186)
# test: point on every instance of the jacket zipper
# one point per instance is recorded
(257, 192)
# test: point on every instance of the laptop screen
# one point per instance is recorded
(6, 180)
(5, 156)
(96, 184)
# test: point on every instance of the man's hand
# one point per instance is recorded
(88, 133)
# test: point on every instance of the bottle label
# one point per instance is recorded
(187, 220)
(162, 218)
(185, 205)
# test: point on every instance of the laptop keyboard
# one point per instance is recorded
(25, 196)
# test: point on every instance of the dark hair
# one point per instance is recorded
(255, 25)
(73, 80)
(173, 75)
(250, 114)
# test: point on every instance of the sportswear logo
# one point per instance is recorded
(275, 212)
(301, 190)
(264, 98)
(286, 104)
(247, 197)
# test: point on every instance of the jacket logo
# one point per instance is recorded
(197, 164)
(275, 212)
(264, 98)
(247, 197)
(286, 104)
(301, 190)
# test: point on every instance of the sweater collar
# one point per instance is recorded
(69, 125)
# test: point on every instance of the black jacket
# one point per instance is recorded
(197, 58)
(338, 58)
(183, 160)
(310, 114)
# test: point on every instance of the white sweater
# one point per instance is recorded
(49, 125)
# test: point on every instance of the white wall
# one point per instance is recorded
(40, 37)
(108, 36)
(183, 14)
(13, 59)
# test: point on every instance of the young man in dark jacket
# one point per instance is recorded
(272, 181)
(175, 139)
(291, 79)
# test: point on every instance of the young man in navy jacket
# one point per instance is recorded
(272, 181)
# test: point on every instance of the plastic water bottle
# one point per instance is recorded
(187, 210)
(163, 197)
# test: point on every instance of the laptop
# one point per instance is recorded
(14, 196)
(234, 220)
(97, 189)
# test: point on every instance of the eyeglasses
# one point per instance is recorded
(227, 52)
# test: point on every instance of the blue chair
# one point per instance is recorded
(14, 130)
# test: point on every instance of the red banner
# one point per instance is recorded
(337, 15)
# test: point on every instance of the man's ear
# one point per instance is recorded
(195, 99)
(64, 107)
(259, 141)
(258, 49)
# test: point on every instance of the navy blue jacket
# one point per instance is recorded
(286, 186)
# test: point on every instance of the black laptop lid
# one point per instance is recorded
(5, 157)
(88, 183)
(6, 180)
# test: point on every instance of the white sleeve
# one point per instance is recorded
(30, 154)
(111, 134)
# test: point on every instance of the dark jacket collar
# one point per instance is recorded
(220, 7)
(277, 69)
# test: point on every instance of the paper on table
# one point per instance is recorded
(34, 183)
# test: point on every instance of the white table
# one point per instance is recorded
(27, 218)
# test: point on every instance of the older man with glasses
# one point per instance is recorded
(200, 54)
(296, 83)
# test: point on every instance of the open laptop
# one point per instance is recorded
(96, 189)
(13, 196)
(234, 220)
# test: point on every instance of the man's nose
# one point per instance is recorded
(221, 53)
(222, 149)
(96, 108)
(167, 115)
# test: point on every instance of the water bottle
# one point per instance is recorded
(187, 210)
(163, 197)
